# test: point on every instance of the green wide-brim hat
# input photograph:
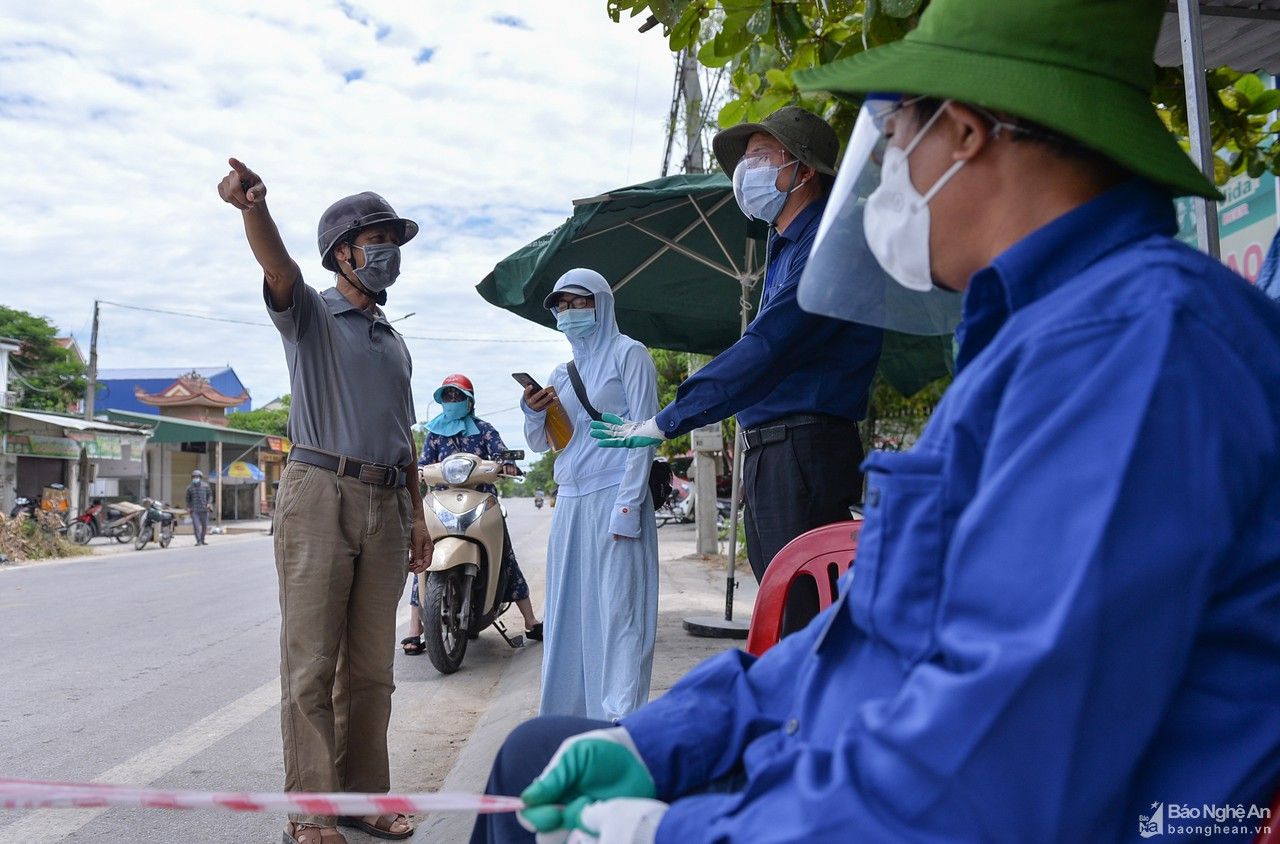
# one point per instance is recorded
(1081, 67)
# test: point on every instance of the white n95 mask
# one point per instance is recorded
(896, 221)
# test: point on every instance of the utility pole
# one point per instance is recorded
(90, 394)
(704, 461)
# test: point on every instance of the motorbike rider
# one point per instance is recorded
(456, 429)
(349, 518)
(1052, 628)
(200, 500)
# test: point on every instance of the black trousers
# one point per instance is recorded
(808, 479)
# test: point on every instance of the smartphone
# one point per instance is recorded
(524, 379)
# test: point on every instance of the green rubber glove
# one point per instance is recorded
(615, 432)
(597, 765)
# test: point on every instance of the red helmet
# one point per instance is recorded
(462, 382)
(459, 381)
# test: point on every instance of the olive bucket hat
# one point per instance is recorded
(804, 134)
(1083, 68)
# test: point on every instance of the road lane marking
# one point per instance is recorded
(52, 825)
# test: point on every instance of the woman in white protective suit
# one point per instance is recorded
(602, 555)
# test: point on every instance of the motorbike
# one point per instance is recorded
(461, 592)
(23, 505)
(156, 522)
(118, 521)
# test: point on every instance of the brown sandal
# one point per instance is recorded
(376, 829)
(300, 834)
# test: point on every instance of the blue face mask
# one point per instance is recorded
(577, 322)
(756, 189)
(454, 410)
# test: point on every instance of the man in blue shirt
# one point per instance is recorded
(1062, 621)
(798, 382)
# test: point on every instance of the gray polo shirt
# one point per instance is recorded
(349, 373)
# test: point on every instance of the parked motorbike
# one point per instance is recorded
(156, 522)
(461, 593)
(118, 521)
(23, 505)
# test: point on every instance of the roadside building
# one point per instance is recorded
(191, 432)
(39, 448)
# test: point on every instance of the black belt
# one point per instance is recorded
(375, 474)
(776, 431)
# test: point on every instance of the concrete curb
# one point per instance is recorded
(515, 701)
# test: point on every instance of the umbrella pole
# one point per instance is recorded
(727, 627)
(731, 581)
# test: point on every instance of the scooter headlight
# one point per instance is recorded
(456, 470)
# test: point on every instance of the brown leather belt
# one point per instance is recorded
(375, 474)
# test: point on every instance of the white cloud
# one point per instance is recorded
(118, 118)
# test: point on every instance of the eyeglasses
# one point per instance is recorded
(766, 157)
(577, 303)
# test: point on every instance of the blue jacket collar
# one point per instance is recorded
(1054, 254)
(802, 220)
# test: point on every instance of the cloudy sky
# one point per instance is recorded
(480, 120)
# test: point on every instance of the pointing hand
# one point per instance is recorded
(242, 187)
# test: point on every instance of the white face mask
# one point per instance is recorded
(896, 220)
(756, 189)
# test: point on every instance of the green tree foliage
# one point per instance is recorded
(43, 374)
(672, 368)
(763, 43)
(264, 421)
(539, 477)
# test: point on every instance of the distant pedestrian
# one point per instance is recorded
(349, 516)
(200, 504)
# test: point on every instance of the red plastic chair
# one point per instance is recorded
(822, 555)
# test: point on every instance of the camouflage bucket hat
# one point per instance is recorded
(804, 134)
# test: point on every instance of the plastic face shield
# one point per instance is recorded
(842, 278)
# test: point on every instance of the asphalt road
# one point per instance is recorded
(161, 668)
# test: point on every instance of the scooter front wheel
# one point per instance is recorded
(143, 538)
(443, 632)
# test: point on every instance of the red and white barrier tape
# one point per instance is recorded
(36, 794)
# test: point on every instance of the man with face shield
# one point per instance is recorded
(1062, 612)
(349, 520)
(798, 382)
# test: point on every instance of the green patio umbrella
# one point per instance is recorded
(681, 257)
(685, 266)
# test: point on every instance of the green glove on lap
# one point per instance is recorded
(597, 765)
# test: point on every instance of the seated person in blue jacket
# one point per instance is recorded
(457, 429)
(1062, 618)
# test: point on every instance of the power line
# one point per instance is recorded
(269, 325)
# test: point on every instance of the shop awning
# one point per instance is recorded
(36, 433)
(74, 423)
(170, 430)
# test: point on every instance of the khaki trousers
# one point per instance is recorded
(342, 549)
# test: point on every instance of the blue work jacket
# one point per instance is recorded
(1065, 610)
(789, 361)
